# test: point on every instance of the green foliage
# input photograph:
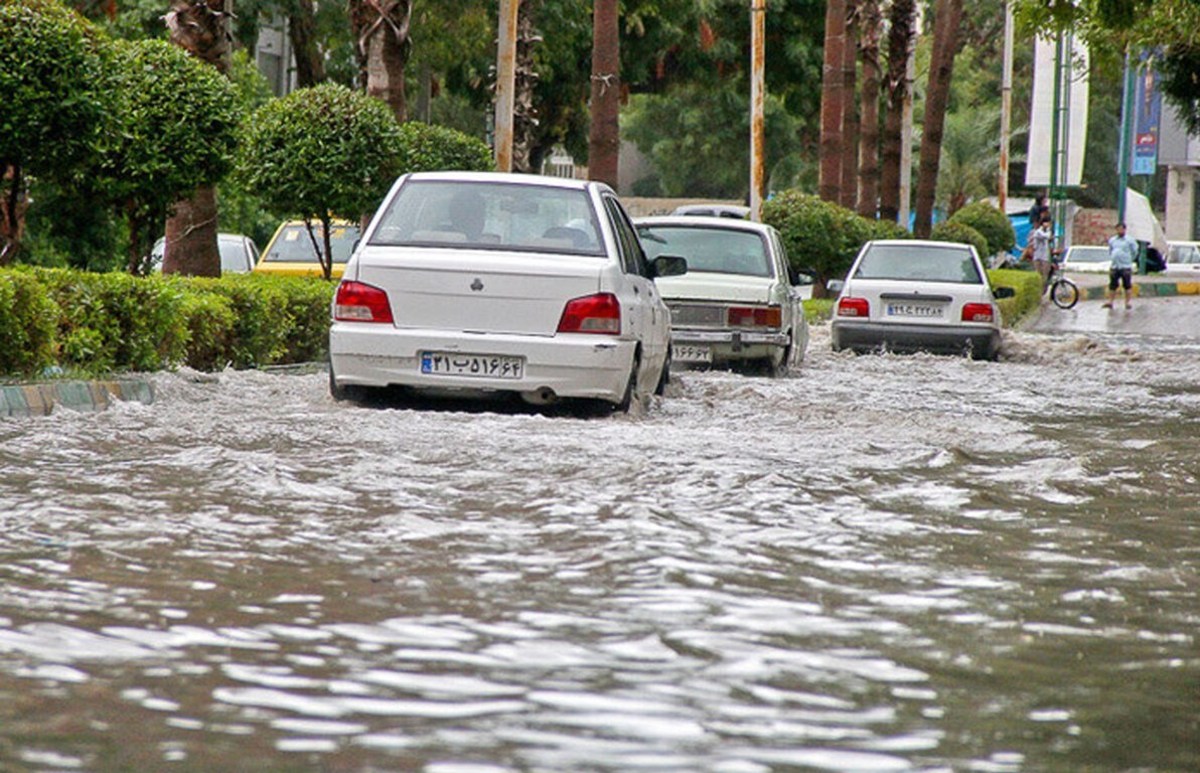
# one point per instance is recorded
(991, 223)
(887, 229)
(27, 323)
(1028, 287)
(426, 148)
(817, 235)
(950, 231)
(71, 225)
(319, 152)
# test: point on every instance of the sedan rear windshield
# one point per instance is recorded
(919, 263)
(715, 250)
(294, 245)
(490, 215)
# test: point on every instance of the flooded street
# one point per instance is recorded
(880, 563)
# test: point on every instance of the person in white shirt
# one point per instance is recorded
(1123, 250)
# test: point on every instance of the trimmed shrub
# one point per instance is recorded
(1028, 285)
(993, 224)
(887, 229)
(27, 324)
(950, 231)
(817, 235)
(427, 148)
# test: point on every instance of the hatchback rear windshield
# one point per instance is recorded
(1088, 255)
(919, 262)
(294, 245)
(490, 215)
(715, 250)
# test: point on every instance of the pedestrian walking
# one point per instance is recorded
(1122, 250)
(1039, 240)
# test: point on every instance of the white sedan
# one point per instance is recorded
(1087, 258)
(739, 302)
(478, 283)
(910, 295)
(1183, 259)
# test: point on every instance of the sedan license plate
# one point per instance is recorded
(479, 365)
(691, 353)
(916, 310)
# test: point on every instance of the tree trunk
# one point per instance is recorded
(524, 110)
(382, 30)
(868, 154)
(849, 186)
(829, 176)
(13, 203)
(302, 30)
(200, 27)
(900, 37)
(604, 135)
(937, 94)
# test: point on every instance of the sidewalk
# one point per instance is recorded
(88, 396)
(1092, 285)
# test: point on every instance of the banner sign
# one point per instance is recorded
(1147, 119)
(1068, 76)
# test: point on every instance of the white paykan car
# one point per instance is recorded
(739, 302)
(478, 283)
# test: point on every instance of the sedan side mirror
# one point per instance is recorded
(1003, 292)
(668, 265)
(834, 286)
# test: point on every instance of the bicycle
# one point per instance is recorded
(1063, 292)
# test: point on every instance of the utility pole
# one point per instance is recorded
(506, 69)
(758, 26)
(1005, 107)
(1126, 139)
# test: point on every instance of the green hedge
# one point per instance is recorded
(991, 223)
(950, 231)
(91, 323)
(1028, 286)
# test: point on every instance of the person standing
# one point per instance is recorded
(1038, 210)
(1122, 250)
(1040, 239)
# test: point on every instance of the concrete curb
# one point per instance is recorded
(1146, 288)
(85, 396)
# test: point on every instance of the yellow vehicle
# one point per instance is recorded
(290, 251)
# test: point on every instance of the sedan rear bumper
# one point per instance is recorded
(979, 342)
(584, 366)
(734, 338)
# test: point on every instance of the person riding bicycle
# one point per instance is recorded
(1040, 239)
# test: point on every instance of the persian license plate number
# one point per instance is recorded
(691, 353)
(917, 310)
(478, 365)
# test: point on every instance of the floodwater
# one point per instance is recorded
(880, 563)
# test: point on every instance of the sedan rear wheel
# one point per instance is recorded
(664, 376)
(630, 386)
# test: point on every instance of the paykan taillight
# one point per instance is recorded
(358, 302)
(750, 316)
(600, 313)
(853, 307)
(978, 312)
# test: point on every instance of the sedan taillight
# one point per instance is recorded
(600, 313)
(762, 316)
(358, 302)
(853, 307)
(978, 312)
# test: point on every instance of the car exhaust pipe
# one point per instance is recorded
(540, 396)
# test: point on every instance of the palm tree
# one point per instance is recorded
(902, 31)
(604, 137)
(871, 20)
(381, 29)
(829, 178)
(850, 127)
(937, 95)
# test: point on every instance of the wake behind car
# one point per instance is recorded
(478, 283)
(739, 302)
(915, 295)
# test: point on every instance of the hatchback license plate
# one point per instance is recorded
(922, 310)
(691, 353)
(479, 365)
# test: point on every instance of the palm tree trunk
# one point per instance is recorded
(937, 94)
(381, 28)
(202, 28)
(849, 187)
(302, 30)
(829, 175)
(604, 135)
(902, 22)
(524, 111)
(868, 153)
(13, 203)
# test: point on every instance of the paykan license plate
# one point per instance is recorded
(691, 353)
(919, 310)
(479, 365)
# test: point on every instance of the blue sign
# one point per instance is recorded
(1147, 116)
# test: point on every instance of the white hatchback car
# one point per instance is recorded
(740, 300)
(1183, 259)
(911, 295)
(482, 283)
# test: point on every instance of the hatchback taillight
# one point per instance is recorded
(762, 316)
(358, 302)
(854, 307)
(600, 313)
(978, 312)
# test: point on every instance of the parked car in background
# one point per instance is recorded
(1183, 259)
(291, 251)
(1087, 258)
(485, 283)
(915, 295)
(739, 302)
(734, 211)
(238, 253)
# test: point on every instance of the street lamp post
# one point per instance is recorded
(506, 69)
(758, 13)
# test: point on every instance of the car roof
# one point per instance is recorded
(704, 221)
(507, 178)
(919, 243)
